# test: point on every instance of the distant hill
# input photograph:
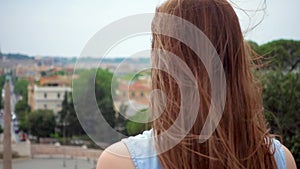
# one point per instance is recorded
(66, 60)
(141, 60)
(16, 56)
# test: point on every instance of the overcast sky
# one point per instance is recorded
(62, 28)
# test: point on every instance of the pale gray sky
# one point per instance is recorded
(62, 28)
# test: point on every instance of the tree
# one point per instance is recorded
(61, 72)
(103, 93)
(96, 83)
(42, 123)
(281, 55)
(138, 123)
(68, 115)
(281, 90)
(21, 106)
(281, 96)
(120, 120)
(21, 88)
(43, 73)
(22, 110)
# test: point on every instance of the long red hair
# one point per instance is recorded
(241, 139)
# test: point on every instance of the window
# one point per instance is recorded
(142, 94)
(45, 95)
(58, 95)
(45, 106)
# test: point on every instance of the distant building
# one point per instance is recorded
(28, 71)
(50, 93)
(47, 97)
(134, 96)
(56, 80)
(44, 61)
(138, 91)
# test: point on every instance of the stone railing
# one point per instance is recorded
(69, 151)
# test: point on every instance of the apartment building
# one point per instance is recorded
(49, 94)
(47, 97)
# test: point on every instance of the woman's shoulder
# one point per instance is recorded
(115, 156)
(283, 156)
(133, 152)
(290, 161)
(123, 154)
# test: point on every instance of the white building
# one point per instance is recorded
(47, 97)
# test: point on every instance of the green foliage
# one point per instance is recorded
(21, 88)
(253, 45)
(135, 124)
(280, 54)
(281, 97)
(22, 110)
(43, 73)
(42, 123)
(281, 90)
(103, 93)
(61, 72)
(85, 78)
(68, 115)
(102, 81)
(21, 106)
(1, 129)
(23, 122)
(55, 135)
(121, 120)
(2, 81)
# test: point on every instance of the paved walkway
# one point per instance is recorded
(51, 163)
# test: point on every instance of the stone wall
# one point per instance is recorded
(70, 151)
(22, 149)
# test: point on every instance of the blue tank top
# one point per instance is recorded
(144, 156)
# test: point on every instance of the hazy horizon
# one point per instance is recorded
(62, 28)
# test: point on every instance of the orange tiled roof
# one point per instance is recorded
(139, 86)
(54, 79)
